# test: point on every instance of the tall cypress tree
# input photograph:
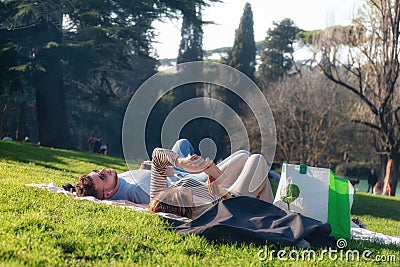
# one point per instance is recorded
(243, 54)
(191, 46)
(242, 57)
(190, 49)
(277, 56)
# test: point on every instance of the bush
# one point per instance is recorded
(359, 170)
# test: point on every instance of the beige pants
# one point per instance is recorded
(247, 175)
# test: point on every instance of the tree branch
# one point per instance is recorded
(371, 125)
(352, 89)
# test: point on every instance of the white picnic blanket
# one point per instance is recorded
(126, 204)
(358, 233)
(121, 203)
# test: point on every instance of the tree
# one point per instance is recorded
(243, 54)
(190, 49)
(32, 31)
(16, 94)
(311, 119)
(83, 60)
(191, 46)
(242, 57)
(277, 55)
(364, 59)
(108, 57)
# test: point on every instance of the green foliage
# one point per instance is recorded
(354, 169)
(24, 67)
(242, 57)
(51, 44)
(278, 51)
(42, 228)
(243, 54)
(191, 46)
(97, 59)
(190, 49)
(307, 37)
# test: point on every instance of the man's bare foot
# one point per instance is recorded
(145, 165)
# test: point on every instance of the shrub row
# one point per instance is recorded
(359, 170)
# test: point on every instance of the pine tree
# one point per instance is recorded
(277, 55)
(243, 54)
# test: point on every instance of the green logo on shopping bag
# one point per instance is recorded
(292, 192)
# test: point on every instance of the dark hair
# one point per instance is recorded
(69, 187)
(85, 186)
(161, 203)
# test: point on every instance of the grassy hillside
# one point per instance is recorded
(38, 227)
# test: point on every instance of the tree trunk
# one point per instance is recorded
(51, 109)
(384, 161)
(50, 97)
(386, 180)
(21, 118)
(392, 175)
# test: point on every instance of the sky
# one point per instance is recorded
(306, 14)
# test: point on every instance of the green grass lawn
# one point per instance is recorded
(39, 228)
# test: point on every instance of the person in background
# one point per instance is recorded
(7, 137)
(90, 143)
(372, 180)
(104, 149)
(97, 145)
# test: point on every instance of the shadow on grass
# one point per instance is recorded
(377, 206)
(56, 159)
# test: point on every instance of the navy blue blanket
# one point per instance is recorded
(250, 220)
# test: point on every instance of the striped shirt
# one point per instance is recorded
(162, 158)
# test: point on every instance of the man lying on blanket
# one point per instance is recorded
(242, 173)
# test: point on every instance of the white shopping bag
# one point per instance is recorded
(316, 193)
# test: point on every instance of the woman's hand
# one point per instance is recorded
(193, 163)
(215, 187)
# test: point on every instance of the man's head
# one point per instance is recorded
(100, 184)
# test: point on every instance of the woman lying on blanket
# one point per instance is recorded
(189, 197)
(243, 173)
